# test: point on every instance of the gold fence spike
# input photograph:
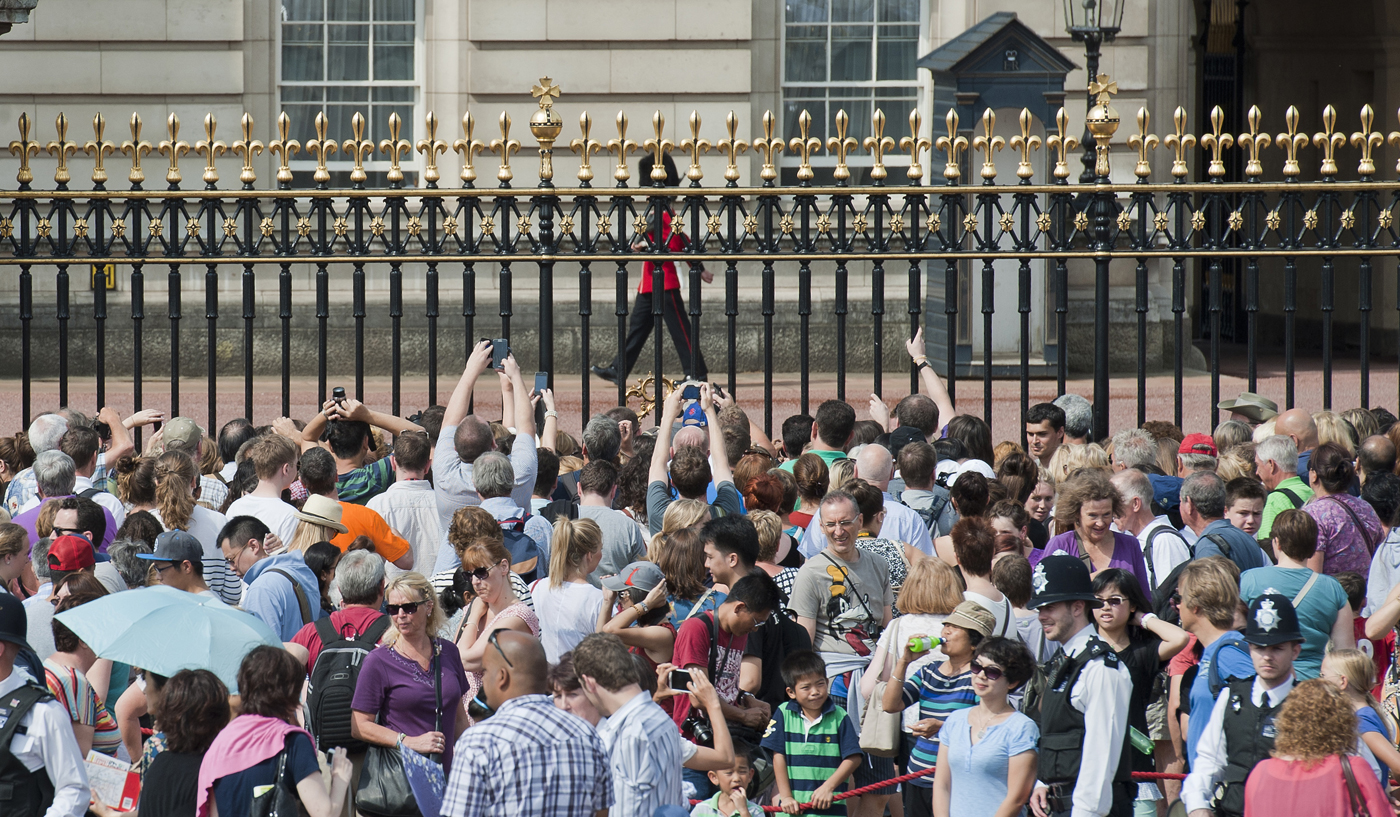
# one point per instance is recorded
(1394, 139)
(1254, 141)
(62, 148)
(769, 145)
(1329, 140)
(621, 146)
(99, 148)
(469, 148)
(430, 148)
(1061, 142)
(732, 147)
(359, 148)
(805, 145)
(396, 148)
(321, 147)
(913, 144)
(172, 148)
(545, 126)
(135, 147)
(877, 144)
(695, 146)
(1216, 141)
(1025, 142)
(988, 144)
(952, 147)
(841, 144)
(284, 148)
(1368, 140)
(1143, 142)
(1181, 141)
(247, 147)
(658, 146)
(209, 147)
(1291, 142)
(25, 148)
(585, 148)
(503, 148)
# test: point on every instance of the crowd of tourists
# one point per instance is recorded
(473, 615)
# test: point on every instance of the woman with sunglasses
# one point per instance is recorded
(395, 697)
(987, 765)
(1145, 644)
(496, 607)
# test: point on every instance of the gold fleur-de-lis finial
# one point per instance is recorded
(695, 146)
(284, 148)
(504, 147)
(430, 148)
(172, 148)
(913, 144)
(1368, 140)
(62, 148)
(988, 144)
(952, 147)
(1291, 142)
(25, 148)
(876, 144)
(841, 144)
(396, 148)
(247, 147)
(99, 148)
(135, 147)
(805, 146)
(1061, 143)
(1216, 141)
(731, 147)
(1254, 141)
(769, 145)
(359, 148)
(321, 147)
(545, 91)
(469, 148)
(209, 147)
(621, 146)
(1329, 140)
(658, 146)
(1181, 141)
(1025, 142)
(1143, 142)
(585, 148)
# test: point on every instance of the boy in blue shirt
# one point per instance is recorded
(815, 748)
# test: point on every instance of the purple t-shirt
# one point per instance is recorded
(1127, 554)
(400, 693)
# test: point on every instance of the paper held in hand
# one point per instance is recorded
(113, 782)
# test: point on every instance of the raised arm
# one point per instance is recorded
(719, 461)
(524, 412)
(930, 379)
(480, 360)
(661, 454)
(551, 419)
(121, 444)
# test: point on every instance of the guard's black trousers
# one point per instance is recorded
(639, 328)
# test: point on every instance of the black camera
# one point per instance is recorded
(699, 726)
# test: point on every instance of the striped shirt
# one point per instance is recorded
(71, 688)
(644, 751)
(813, 751)
(938, 696)
(364, 482)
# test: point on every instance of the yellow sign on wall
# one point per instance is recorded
(104, 275)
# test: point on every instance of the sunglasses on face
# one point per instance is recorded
(410, 607)
(492, 640)
(57, 532)
(481, 574)
(1113, 601)
(992, 674)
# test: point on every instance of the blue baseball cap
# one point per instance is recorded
(694, 416)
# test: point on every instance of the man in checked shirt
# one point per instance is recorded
(529, 759)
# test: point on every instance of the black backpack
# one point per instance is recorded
(523, 549)
(1162, 596)
(333, 680)
(930, 514)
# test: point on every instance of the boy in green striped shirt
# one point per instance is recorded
(815, 748)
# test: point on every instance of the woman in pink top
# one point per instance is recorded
(496, 607)
(1316, 735)
(1348, 529)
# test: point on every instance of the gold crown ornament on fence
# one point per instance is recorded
(646, 402)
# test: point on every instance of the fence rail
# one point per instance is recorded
(935, 235)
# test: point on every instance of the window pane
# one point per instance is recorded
(850, 53)
(854, 11)
(303, 121)
(393, 10)
(393, 62)
(348, 94)
(349, 10)
(303, 9)
(394, 93)
(899, 11)
(381, 122)
(898, 52)
(806, 11)
(805, 54)
(341, 126)
(348, 57)
(303, 55)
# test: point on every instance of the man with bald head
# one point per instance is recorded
(1375, 456)
(530, 758)
(875, 465)
(1298, 425)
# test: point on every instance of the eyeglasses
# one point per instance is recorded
(992, 674)
(161, 570)
(57, 532)
(481, 574)
(492, 639)
(840, 523)
(1113, 601)
(233, 560)
(410, 607)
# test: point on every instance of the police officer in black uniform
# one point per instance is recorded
(1240, 732)
(1084, 765)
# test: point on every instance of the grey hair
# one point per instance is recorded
(1079, 414)
(1133, 483)
(875, 463)
(602, 438)
(134, 571)
(493, 475)
(54, 473)
(359, 575)
(1134, 448)
(47, 431)
(39, 557)
(1231, 433)
(1206, 490)
(1198, 462)
(1281, 451)
(832, 497)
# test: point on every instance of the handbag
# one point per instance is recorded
(280, 799)
(1358, 802)
(879, 730)
(384, 790)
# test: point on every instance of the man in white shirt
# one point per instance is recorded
(1240, 732)
(1162, 547)
(275, 460)
(408, 506)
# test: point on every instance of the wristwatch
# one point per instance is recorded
(551, 413)
(642, 607)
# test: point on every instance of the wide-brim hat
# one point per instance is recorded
(972, 616)
(1255, 407)
(323, 511)
(1272, 620)
(1061, 578)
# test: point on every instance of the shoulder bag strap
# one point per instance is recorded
(855, 591)
(1298, 599)
(326, 630)
(25, 697)
(1358, 802)
(711, 655)
(698, 604)
(301, 594)
(1356, 520)
(437, 695)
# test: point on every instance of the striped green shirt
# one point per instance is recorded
(813, 751)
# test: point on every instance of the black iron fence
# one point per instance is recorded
(941, 236)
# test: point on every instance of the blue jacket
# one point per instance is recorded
(271, 597)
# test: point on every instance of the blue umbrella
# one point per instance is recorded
(166, 630)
